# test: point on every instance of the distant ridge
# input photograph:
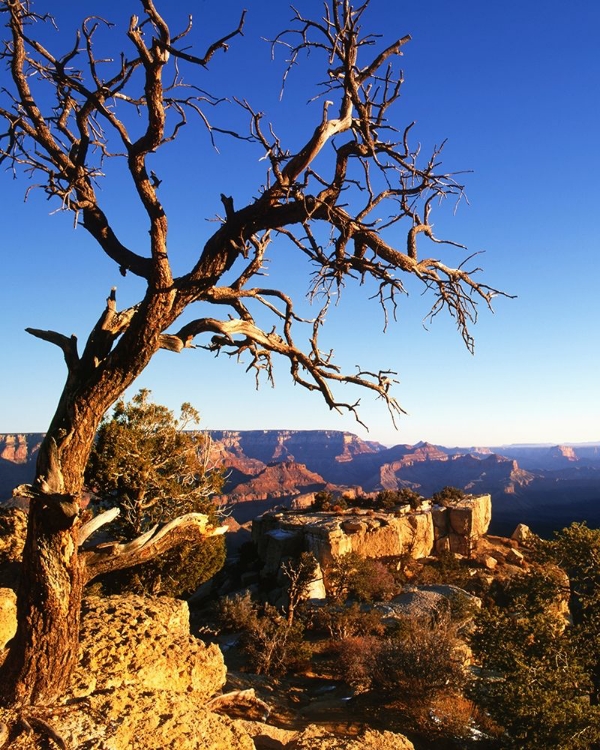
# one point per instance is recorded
(544, 485)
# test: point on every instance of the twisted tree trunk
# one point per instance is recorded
(45, 648)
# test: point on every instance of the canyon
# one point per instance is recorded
(544, 486)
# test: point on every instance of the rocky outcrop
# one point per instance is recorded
(135, 640)
(314, 737)
(142, 682)
(459, 525)
(317, 738)
(371, 534)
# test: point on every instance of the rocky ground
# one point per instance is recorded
(144, 683)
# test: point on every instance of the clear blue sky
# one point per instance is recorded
(513, 86)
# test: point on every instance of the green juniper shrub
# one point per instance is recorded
(237, 612)
(323, 501)
(448, 495)
(148, 465)
(533, 683)
(178, 572)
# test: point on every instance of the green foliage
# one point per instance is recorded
(576, 550)
(389, 499)
(447, 495)
(535, 680)
(237, 612)
(534, 685)
(146, 464)
(352, 576)
(323, 501)
(406, 495)
(178, 572)
(447, 568)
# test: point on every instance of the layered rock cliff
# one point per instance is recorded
(283, 479)
(456, 528)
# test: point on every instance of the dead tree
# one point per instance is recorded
(74, 117)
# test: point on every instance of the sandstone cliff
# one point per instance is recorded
(282, 479)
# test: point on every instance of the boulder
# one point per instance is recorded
(132, 719)
(514, 557)
(142, 683)
(417, 605)
(145, 642)
(317, 738)
(521, 533)
(489, 562)
(8, 616)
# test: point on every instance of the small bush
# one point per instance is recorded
(347, 621)
(418, 663)
(323, 501)
(448, 495)
(237, 612)
(355, 656)
(353, 576)
(274, 646)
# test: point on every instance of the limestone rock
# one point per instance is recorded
(142, 683)
(489, 562)
(130, 720)
(8, 616)
(265, 735)
(143, 641)
(316, 738)
(514, 557)
(521, 533)
(416, 604)
(316, 588)
(455, 528)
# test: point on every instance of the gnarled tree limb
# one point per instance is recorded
(193, 527)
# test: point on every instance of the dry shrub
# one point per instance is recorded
(354, 660)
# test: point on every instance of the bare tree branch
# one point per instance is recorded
(109, 556)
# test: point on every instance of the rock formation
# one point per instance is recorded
(282, 479)
(142, 683)
(371, 534)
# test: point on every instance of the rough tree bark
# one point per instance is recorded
(65, 135)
